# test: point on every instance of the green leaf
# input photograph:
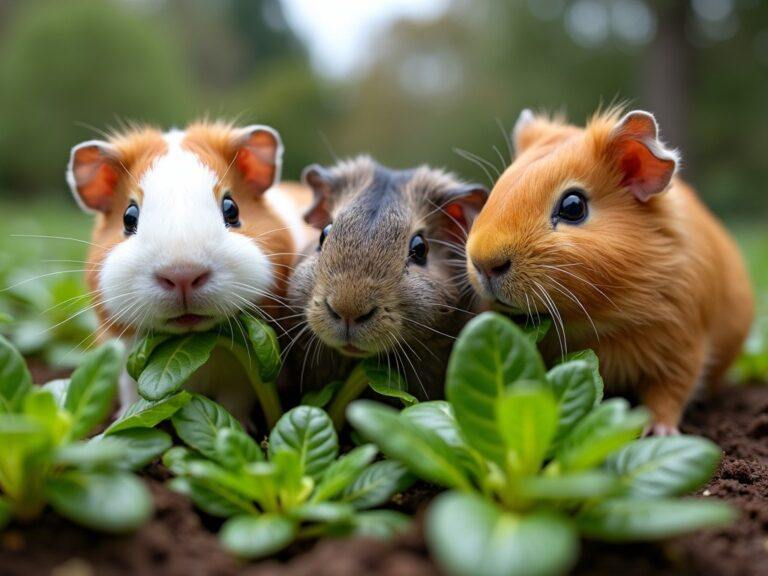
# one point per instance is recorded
(436, 415)
(423, 451)
(491, 542)
(265, 346)
(321, 398)
(93, 386)
(257, 536)
(139, 356)
(199, 421)
(109, 501)
(139, 446)
(173, 362)
(22, 440)
(607, 428)
(527, 420)
(59, 389)
(490, 354)
(536, 331)
(665, 466)
(377, 484)
(309, 432)
(5, 318)
(40, 406)
(235, 449)
(573, 384)
(625, 519)
(590, 358)
(579, 485)
(15, 379)
(212, 474)
(212, 498)
(147, 414)
(343, 472)
(382, 524)
(387, 382)
(329, 512)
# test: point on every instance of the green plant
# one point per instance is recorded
(752, 363)
(535, 458)
(300, 488)
(162, 363)
(44, 458)
(54, 319)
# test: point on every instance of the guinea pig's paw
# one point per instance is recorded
(659, 429)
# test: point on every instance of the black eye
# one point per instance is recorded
(572, 207)
(418, 250)
(231, 212)
(324, 235)
(131, 218)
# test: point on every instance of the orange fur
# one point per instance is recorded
(658, 289)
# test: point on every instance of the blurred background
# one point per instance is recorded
(408, 81)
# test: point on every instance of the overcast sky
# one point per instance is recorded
(337, 30)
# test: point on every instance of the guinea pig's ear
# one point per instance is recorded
(520, 138)
(92, 174)
(320, 180)
(462, 205)
(258, 157)
(646, 165)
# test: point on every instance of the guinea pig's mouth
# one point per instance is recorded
(189, 321)
(518, 316)
(354, 351)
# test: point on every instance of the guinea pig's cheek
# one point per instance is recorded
(125, 284)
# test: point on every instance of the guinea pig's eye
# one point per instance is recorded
(231, 212)
(324, 235)
(572, 207)
(418, 250)
(131, 218)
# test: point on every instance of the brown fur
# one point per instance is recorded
(662, 281)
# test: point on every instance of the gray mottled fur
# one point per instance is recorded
(364, 263)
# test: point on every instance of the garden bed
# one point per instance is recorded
(180, 541)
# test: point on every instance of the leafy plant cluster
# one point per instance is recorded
(162, 363)
(533, 458)
(298, 488)
(45, 458)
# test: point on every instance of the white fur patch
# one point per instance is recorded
(181, 225)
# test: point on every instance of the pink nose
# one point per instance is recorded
(184, 279)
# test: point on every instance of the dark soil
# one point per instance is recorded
(178, 541)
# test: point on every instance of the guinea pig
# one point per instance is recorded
(386, 278)
(190, 228)
(592, 226)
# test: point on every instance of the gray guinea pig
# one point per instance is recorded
(385, 278)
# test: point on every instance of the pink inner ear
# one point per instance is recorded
(95, 178)
(256, 161)
(644, 173)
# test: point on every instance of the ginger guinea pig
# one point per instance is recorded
(387, 277)
(591, 226)
(189, 229)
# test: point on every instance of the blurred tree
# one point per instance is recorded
(88, 61)
(288, 96)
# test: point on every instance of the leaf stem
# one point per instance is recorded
(356, 382)
(266, 392)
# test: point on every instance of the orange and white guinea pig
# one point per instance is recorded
(592, 226)
(190, 226)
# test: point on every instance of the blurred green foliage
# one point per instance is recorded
(80, 61)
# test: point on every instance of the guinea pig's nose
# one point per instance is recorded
(185, 279)
(492, 269)
(349, 316)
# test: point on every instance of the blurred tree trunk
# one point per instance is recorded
(665, 74)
